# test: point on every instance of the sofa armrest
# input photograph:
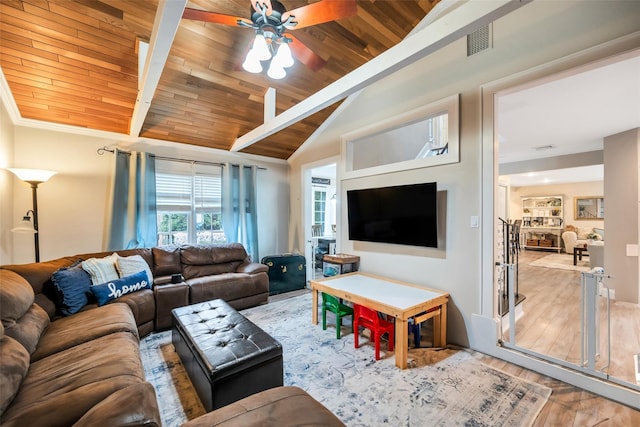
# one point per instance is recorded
(279, 406)
(252, 268)
(132, 406)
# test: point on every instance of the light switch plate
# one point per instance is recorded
(475, 222)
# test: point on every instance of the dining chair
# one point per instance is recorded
(369, 319)
(333, 304)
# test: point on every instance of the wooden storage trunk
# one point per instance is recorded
(287, 272)
(546, 243)
(532, 242)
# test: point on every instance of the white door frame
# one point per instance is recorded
(486, 322)
(306, 188)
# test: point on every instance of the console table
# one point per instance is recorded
(401, 300)
(339, 264)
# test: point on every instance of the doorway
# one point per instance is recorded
(569, 317)
(320, 213)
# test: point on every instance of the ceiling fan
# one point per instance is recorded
(271, 21)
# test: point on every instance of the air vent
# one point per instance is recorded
(479, 40)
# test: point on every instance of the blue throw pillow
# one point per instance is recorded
(73, 286)
(114, 289)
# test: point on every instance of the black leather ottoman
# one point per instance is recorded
(226, 356)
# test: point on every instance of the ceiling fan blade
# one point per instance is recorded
(216, 18)
(321, 12)
(305, 55)
(264, 3)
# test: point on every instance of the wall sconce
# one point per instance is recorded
(25, 226)
(34, 177)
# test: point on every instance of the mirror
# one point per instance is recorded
(426, 136)
(589, 208)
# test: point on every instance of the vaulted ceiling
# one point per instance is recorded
(74, 62)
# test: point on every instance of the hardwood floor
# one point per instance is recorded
(551, 321)
(551, 325)
(548, 326)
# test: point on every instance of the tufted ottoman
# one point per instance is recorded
(226, 356)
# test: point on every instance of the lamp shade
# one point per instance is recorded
(261, 48)
(33, 175)
(276, 71)
(24, 226)
(252, 63)
(283, 57)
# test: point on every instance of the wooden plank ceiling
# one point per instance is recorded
(74, 62)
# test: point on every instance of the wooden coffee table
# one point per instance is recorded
(577, 253)
(401, 300)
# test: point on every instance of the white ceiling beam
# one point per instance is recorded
(269, 104)
(166, 24)
(464, 19)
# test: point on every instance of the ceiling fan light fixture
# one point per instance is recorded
(252, 63)
(283, 57)
(260, 48)
(275, 71)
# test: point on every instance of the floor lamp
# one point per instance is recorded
(34, 177)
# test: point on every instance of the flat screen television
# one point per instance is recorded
(403, 214)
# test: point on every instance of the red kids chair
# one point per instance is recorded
(369, 319)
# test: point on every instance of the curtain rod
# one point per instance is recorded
(102, 150)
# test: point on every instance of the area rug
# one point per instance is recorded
(562, 261)
(448, 387)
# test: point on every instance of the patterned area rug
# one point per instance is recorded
(562, 261)
(441, 388)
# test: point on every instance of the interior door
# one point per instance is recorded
(319, 178)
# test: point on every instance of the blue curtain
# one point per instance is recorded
(133, 202)
(239, 206)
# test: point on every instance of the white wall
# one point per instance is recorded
(535, 34)
(72, 205)
(6, 187)
(621, 175)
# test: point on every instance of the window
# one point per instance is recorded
(188, 199)
(319, 208)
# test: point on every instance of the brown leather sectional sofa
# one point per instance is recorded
(85, 369)
(208, 272)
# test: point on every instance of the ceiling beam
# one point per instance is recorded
(165, 25)
(464, 19)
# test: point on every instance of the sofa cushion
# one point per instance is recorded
(198, 261)
(582, 233)
(101, 270)
(73, 286)
(30, 327)
(85, 326)
(21, 318)
(166, 260)
(133, 264)
(114, 289)
(109, 412)
(14, 367)
(38, 275)
(228, 286)
(16, 297)
(142, 305)
(61, 388)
